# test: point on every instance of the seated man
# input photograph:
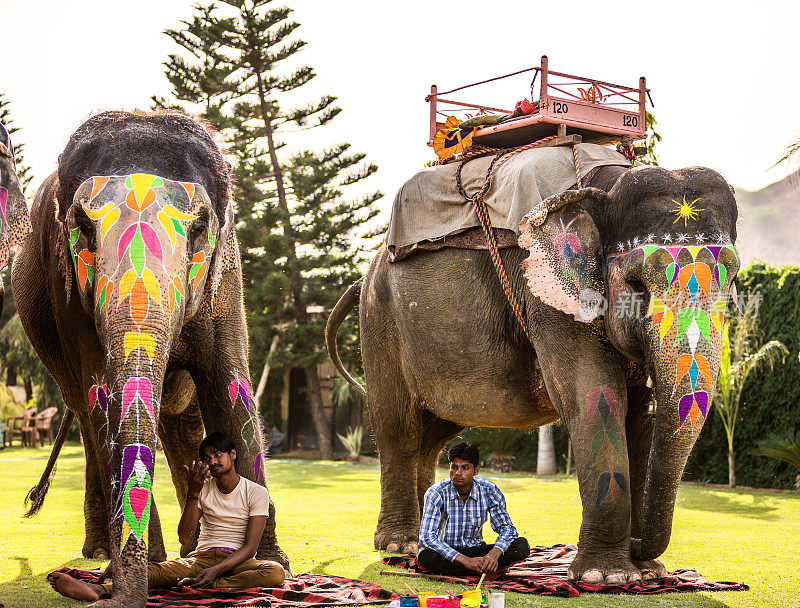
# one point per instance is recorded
(451, 537)
(232, 512)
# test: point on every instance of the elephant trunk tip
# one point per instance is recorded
(653, 549)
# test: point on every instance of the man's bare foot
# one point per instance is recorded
(75, 589)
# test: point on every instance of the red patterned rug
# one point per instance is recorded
(545, 573)
(300, 591)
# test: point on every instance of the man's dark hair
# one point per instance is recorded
(465, 451)
(218, 441)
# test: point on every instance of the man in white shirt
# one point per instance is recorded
(232, 512)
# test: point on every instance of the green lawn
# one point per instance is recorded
(326, 515)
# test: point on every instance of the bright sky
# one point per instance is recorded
(722, 74)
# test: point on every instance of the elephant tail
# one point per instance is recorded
(346, 303)
(38, 492)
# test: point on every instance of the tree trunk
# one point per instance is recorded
(262, 383)
(28, 390)
(321, 424)
(546, 459)
(731, 469)
(569, 457)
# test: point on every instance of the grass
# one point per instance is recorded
(326, 514)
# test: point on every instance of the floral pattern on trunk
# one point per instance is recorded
(137, 493)
(690, 312)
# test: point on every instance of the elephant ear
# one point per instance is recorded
(564, 269)
(15, 223)
(226, 251)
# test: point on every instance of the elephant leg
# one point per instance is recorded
(394, 419)
(180, 436)
(639, 432)
(434, 434)
(586, 381)
(96, 500)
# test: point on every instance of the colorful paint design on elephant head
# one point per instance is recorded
(136, 495)
(689, 295)
(607, 445)
(686, 210)
(567, 245)
(82, 261)
(147, 219)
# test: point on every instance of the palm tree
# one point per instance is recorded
(783, 448)
(739, 359)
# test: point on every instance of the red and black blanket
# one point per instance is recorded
(299, 591)
(545, 573)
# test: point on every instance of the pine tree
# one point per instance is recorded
(295, 229)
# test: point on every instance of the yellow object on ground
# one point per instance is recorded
(473, 594)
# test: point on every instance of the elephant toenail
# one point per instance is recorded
(616, 578)
(592, 576)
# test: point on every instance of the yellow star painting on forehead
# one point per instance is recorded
(686, 210)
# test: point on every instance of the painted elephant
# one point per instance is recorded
(130, 290)
(15, 223)
(442, 351)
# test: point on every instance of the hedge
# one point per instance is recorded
(770, 400)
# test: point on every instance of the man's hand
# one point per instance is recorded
(490, 560)
(196, 475)
(202, 580)
(470, 563)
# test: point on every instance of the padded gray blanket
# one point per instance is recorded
(429, 206)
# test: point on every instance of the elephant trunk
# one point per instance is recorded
(135, 383)
(684, 383)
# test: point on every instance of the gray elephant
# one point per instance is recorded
(130, 290)
(15, 223)
(442, 351)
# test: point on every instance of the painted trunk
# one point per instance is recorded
(135, 264)
(688, 290)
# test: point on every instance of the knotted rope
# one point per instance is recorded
(482, 211)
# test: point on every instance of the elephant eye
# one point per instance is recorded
(86, 227)
(198, 230)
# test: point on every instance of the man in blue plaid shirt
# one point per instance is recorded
(451, 537)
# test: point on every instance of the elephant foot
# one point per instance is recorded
(600, 568)
(397, 542)
(652, 568)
